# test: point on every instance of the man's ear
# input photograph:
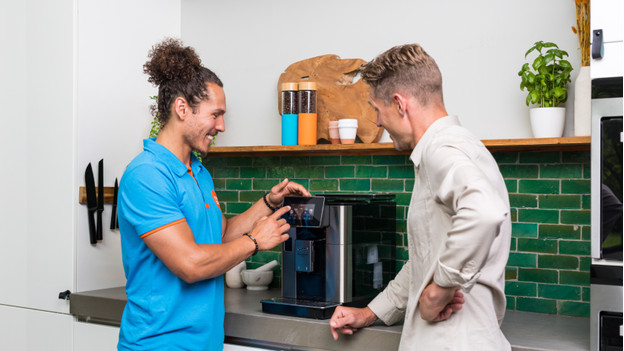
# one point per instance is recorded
(401, 103)
(181, 107)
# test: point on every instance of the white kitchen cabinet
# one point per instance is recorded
(31, 330)
(95, 337)
(607, 16)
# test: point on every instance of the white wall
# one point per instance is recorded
(479, 46)
(114, 38)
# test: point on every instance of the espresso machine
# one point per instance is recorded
(341, 251)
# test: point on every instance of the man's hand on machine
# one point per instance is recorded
(271, 231)
(285, 188)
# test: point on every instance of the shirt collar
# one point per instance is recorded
(433, 129)
(178, 167)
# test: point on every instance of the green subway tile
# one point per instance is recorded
(402, 254)
(540, 157)
(403, 199)
(586, 202)
(378, 185)
(219, 184)
(355, 185)
(266, 161)
(506, 157)
(529, 304)
(239, 161)
(533, 186)
(574, 247)
(214, 161)
(406, 171)
(521, 289)
(519, 171)
(537, 245)
(538, 216)
(401, 227)
(586, 294)
(225, 195)
(586, 171)
(251, 196)
(409, 184)
(559, 292)
(524, 230)
(512, 185)
(575, 186)
(371, 171)
(226, 172)
(356, 160)
(574, 278)
(399, 265)
(547, 231)
(389, 159)
(304, 182)
(537, 275)
(324, 185)
(266, 257)
(575, 309)
(325, 160)
(576, 217)
(252, 172)
(238, 207)
(280, 172)
(561, 171)
(513, 244)
(238, 184)
(514, 214)
(576, 157)
(560, 201)
(339, 171)
(296, 161)
(585, 263)
(310, 172)
(511, 273)
(510, 303)
(522, 200)
(519, 259)
(586, 232)
(557, 261)
(264, 184)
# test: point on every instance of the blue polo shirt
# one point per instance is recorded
(164, 312)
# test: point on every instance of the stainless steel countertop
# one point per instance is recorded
(246, 323)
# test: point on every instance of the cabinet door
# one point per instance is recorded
(95, 337)
(29, 330)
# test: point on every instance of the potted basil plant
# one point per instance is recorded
(546, 81)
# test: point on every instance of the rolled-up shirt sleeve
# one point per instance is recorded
(477, 213)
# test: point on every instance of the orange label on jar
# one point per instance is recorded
(307, 129)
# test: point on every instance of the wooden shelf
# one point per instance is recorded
(494, 145)
(108, 195)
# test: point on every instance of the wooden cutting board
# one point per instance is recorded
(338, 96)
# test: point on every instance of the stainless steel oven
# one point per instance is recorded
(606, 215)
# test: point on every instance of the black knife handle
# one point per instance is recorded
(92, 233)
(99, 225)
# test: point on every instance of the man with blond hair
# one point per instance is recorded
(450, 293)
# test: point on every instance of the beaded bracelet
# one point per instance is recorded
(268, 204)
(254, 240)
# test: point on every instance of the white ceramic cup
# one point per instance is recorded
(347, 128)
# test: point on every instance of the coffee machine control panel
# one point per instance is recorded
(305, 212)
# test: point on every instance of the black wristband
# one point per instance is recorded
(254, 240)
(268, 204)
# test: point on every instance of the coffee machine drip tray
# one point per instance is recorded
(299, 307)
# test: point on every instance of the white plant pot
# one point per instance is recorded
(547, 122)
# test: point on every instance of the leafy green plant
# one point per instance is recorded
(547, 80)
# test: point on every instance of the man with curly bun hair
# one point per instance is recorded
(176, 243)
(450, 293)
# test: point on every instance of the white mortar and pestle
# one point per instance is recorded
(255, 279)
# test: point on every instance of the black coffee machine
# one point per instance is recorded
(341, 251)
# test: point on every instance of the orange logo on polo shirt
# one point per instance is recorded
(216, 200)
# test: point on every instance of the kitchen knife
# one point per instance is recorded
(91, 202)
(113, 221)
(100, 198)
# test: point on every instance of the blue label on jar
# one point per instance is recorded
(290, 129)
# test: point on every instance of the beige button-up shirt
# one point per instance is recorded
(459, 232)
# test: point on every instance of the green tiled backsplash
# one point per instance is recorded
(549, 193)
